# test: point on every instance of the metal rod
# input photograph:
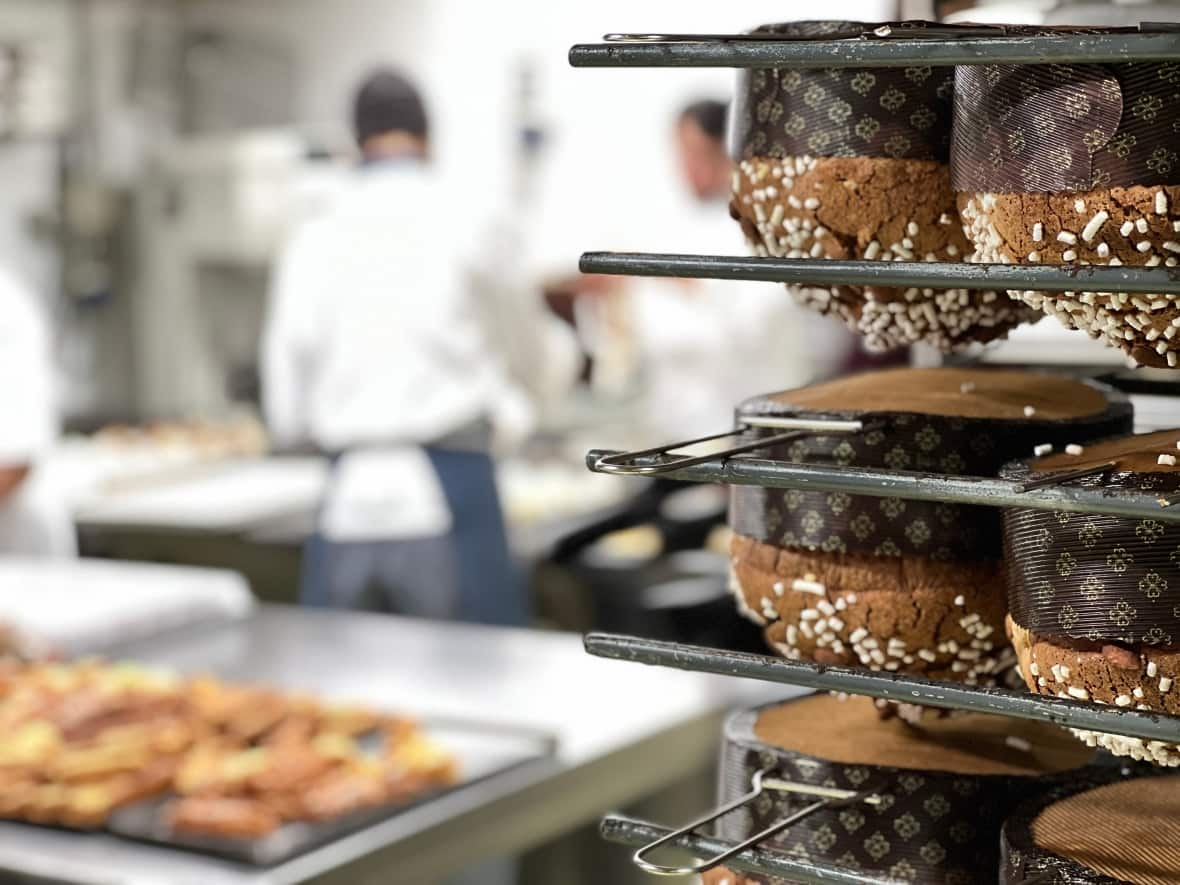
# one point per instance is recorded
(894, 274)
(627, 831)
(636, 463)
(896, 51)
(890, 686)
(778, 785)
(882, 483)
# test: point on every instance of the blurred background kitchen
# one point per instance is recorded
(206, 410)
(158, 160)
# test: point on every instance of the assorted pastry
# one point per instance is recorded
(79, 741)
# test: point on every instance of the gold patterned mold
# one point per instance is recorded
(942, 787)
(1074, 165)
(1095, 599)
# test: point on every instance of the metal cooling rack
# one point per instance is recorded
(898, 687)
(896, 47)
(900, 48)
(627, 831)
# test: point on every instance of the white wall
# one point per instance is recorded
(608, 170)
(28, 167)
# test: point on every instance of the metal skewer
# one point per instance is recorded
(894, 274)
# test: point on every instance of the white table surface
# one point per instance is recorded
(623, 731)
(221, 496)
(77, 606)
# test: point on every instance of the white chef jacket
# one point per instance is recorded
(394, 321)
(705, 345)
(34, 519)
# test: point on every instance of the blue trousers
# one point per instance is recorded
(466, 575)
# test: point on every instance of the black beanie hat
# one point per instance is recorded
(388, 101)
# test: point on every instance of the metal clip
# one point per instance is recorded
(727, 38)
(1064, 476)
(622, 464)
(759, 783)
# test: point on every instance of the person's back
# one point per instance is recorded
(375, 295)
(375, 351)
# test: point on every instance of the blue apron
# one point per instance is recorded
(474, 555)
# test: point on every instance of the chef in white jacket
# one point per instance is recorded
(34, 520)
(397, 340)
(705, 345)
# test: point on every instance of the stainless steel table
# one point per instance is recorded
(623, 730)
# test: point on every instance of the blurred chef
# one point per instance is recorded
(33, 520)
(703, 345)
(394, 346)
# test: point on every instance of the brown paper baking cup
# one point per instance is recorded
(1065, 127)
(1093, 576)
(1024, 860)
(930, 827)
(836, 522)
(899, 113)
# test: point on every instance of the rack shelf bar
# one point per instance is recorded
(628, 831)
(897, 274)
(893, 51)
(881, 483)
(890, 686)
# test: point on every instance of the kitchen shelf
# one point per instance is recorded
(902, 48)
(893, 274)
(628, 831)
(899, 687)
(884, 483)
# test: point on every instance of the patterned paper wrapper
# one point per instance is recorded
(899, 113)
(1065, 128)
(836, 522)
(1092, 576)
(1023, 860)
(933, 827)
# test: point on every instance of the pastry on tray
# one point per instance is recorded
(80, 741)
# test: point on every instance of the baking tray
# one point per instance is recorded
(483, 751)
